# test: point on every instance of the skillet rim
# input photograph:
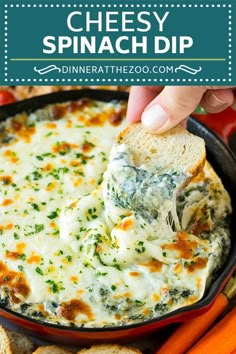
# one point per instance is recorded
(194, 126)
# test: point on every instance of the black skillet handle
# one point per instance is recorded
(232, 142)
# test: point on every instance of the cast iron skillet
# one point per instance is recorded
(224, 163)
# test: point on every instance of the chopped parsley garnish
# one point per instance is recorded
(140, 248)
(38, 228)
(49, 134)
(101, 274)
(55, 287)
(100, 180)
(117, 266)
(39, 271)
(53, 215)
(36, 175)
(22, 257)
(48, 154)
(16, 236)
(55, 173)
(92, 214)
(79, 173)
(35, 206)
(139, 303)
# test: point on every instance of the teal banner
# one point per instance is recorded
(117, 42)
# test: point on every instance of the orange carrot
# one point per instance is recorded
(190, 331)
(221, 339)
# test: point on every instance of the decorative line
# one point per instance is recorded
(47, 69)
(216, 5)
(188, 69)
(114, 80)
(118, 59)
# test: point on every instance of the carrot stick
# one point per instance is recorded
(221, 339)
(190, 331)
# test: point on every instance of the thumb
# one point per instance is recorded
(171, 106)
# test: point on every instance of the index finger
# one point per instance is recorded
(139, 98)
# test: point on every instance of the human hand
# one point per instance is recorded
(160, 108)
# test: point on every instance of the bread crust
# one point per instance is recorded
(51, 349)
(12, 342)
(110, 349)
(176, 148)
(20, 343)
(5, 345)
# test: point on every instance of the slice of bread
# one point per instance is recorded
(51, 349)
(12, 342)
(109, 349)
(5, 345)
(176, 149)
(20, 343)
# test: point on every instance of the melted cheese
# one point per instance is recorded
(70, 253)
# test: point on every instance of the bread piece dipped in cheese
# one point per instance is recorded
(146, 170)
(144, 175)
(177, 148)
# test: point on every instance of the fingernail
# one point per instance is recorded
(154, 118)
(214, 101)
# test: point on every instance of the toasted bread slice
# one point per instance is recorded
(51, 349)
(176, 149)
(109, 349)
(20, 343)
(5, 345)
(12, 342)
